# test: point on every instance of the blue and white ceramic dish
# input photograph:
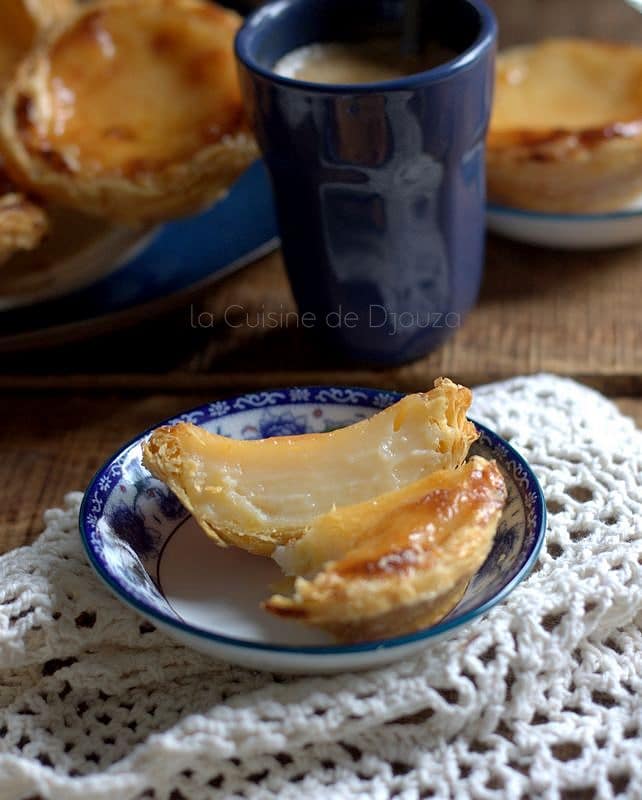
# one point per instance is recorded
(567, 231)
(152, 555)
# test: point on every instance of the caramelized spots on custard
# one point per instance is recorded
(164, 42)
(138, 167)
(137, 89)
(198, 69)
(411, 537)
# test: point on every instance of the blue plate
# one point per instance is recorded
(182, 257)
(151, 554)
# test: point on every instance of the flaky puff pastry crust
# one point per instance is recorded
(566, 129)
(396, 563)
(23, 223)
(262, 493)
(130, 110)
(21, 22)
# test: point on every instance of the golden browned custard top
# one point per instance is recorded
(568, 84)
(136, 88)
(412, 536)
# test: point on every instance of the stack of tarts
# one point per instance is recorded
(125, 110)
(378, 526)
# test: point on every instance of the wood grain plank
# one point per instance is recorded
(53, 444)
(631, 407)
(576, 314)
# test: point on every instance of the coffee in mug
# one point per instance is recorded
(371, 61)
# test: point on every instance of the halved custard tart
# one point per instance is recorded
(398, 562)
(130, 109)
(262, 493)
(566, 129)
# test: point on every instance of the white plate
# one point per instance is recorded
(567, 231)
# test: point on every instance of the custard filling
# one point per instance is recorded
(567, 84)
(272, 488)
(131, 89)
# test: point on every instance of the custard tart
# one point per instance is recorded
(395, 563)
(566, 129)
(130, 110)
(258, 494)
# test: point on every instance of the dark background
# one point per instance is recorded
(523, 20)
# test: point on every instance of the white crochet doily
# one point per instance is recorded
(540, 698)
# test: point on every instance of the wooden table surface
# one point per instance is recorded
(65, 410)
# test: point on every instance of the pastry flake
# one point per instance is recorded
(130, 109)
(262, 493)
(23, 224)
(396, 563)
(566, 129)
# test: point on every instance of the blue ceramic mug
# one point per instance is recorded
(379, 187)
